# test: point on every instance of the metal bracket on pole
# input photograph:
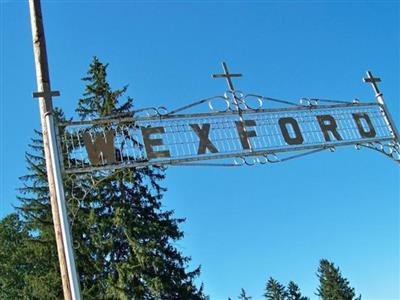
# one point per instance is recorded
(47, 95)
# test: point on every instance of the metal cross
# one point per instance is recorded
(47, 93)
(228, 76)
(373, 80)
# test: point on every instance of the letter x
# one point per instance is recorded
(205, 142)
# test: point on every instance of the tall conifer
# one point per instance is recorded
(243, 295)
(123, 239)
(332, 285)
(293, 292)
(274, 290)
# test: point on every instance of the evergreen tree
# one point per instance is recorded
(332, 285)
(293, 292)
(123, 240)
(29, 256)
(26, 269)
(243, 295)
(274, 290)
(99, 99)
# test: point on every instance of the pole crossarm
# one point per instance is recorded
(46, 94)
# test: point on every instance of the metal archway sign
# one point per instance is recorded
(238, 126)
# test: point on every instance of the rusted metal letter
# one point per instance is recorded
(245, 134)
(101, 149)
(328, 124)
(205, 143)
(149, 143)
(371, 130)
(298, 139)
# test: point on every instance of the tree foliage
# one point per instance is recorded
(274, 290)
(26, 263)
(332, 285)
(277, 291)
(243, 295)
(124, 241)
(293, 292)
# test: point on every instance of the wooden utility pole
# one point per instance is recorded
(58, 206)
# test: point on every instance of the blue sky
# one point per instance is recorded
(243, 224)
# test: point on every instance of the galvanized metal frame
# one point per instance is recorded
(259, 156)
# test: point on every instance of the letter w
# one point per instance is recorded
(100, 149)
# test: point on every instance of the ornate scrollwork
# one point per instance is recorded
(254, 160)
(276, 158)
(150, 112)
(261, 159)
(212, 104)
(316, 101)
(238, 101)
(309, 102)
(391, 148)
